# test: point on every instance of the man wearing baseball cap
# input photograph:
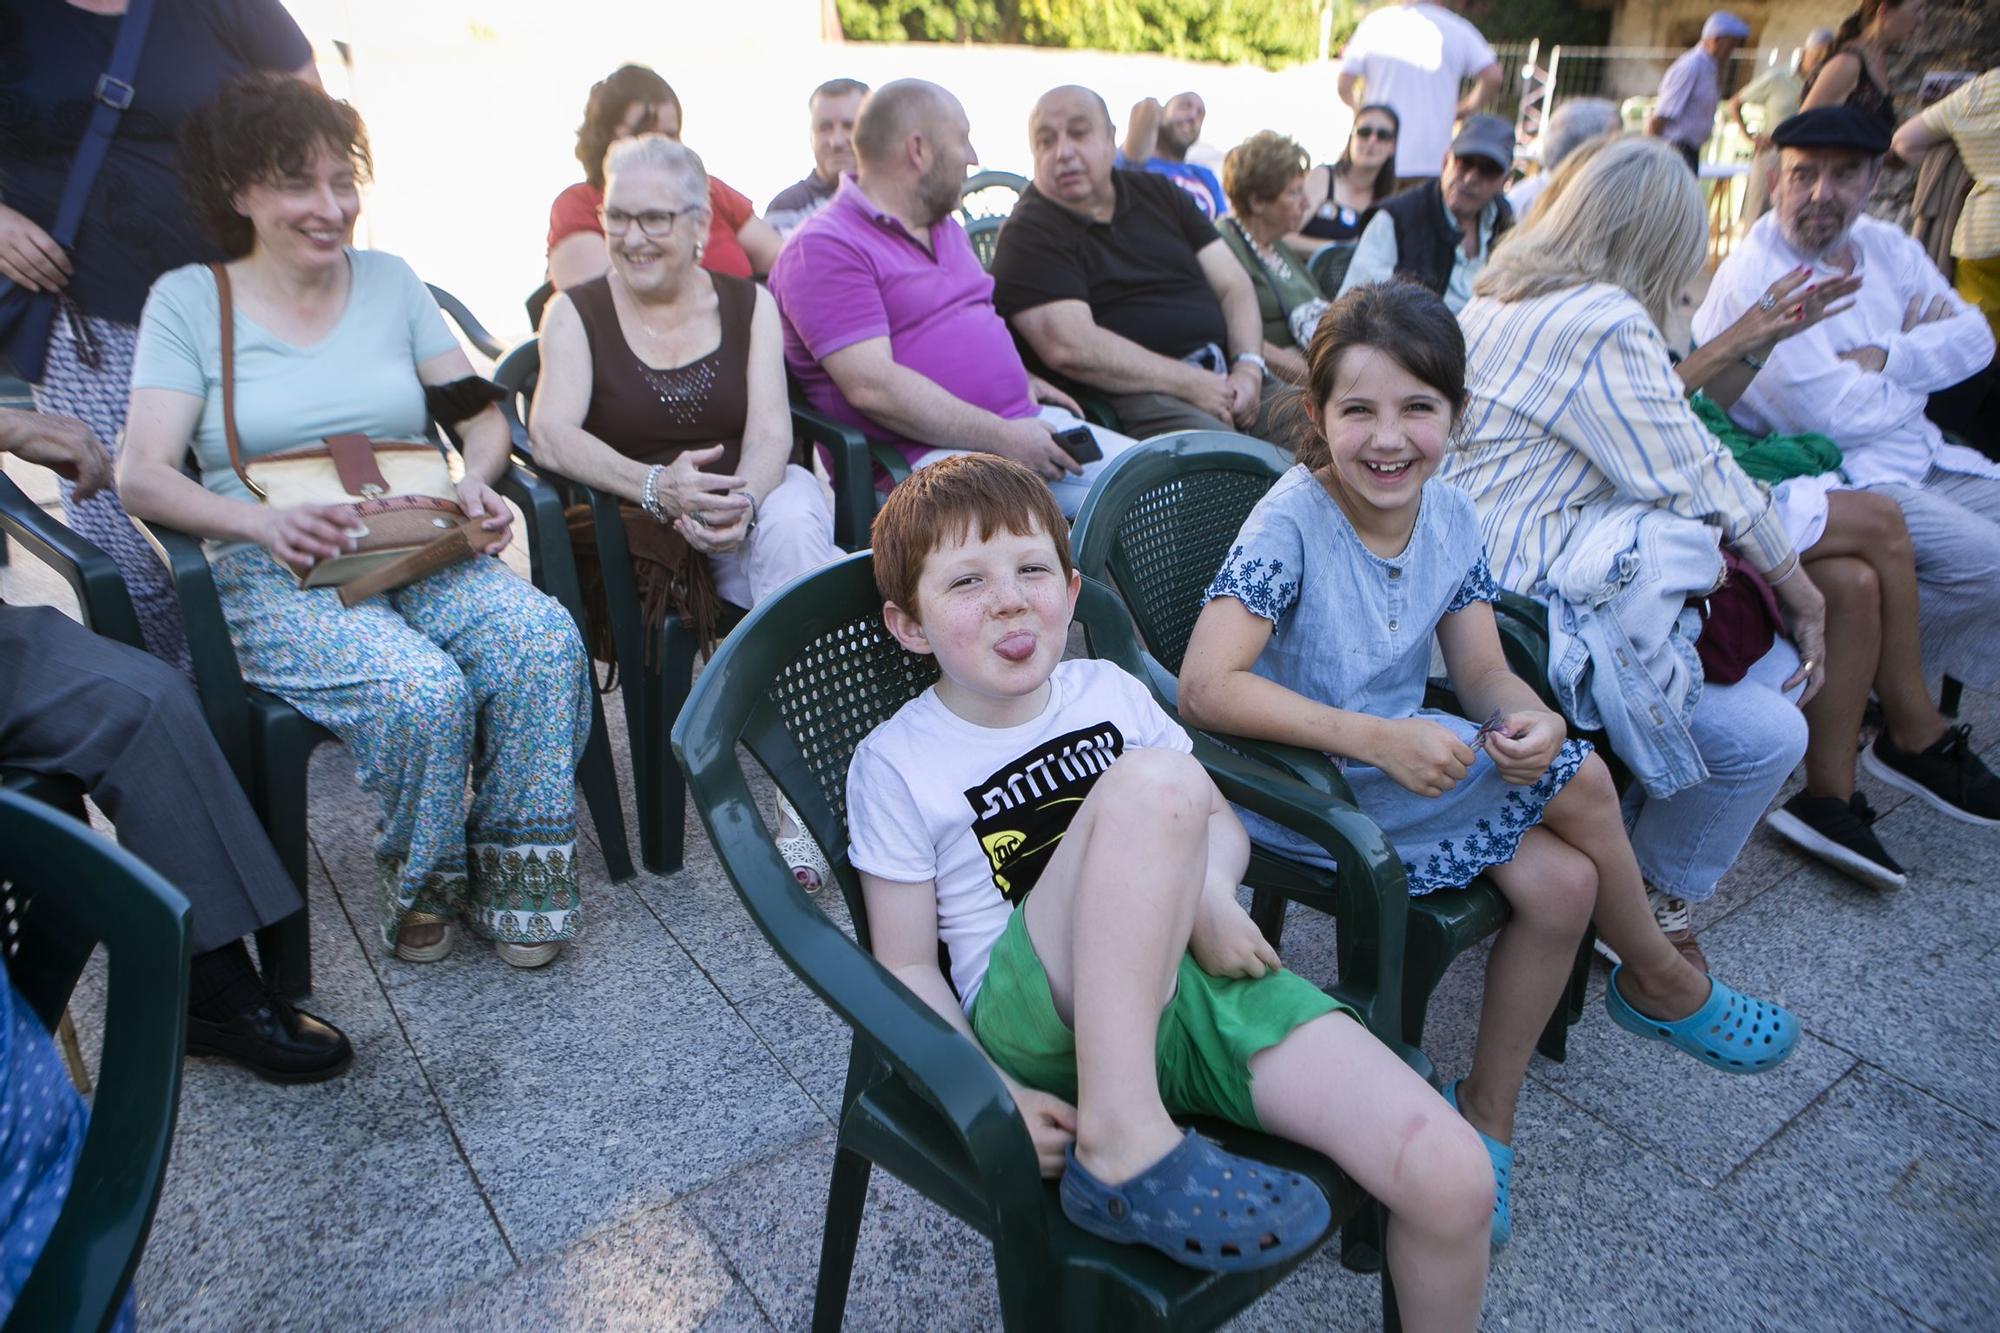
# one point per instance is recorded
(1440, 233)
(1685, 111)
(1861, 377)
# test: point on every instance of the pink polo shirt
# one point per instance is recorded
(852, 273)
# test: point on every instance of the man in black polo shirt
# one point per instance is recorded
(1119, 284)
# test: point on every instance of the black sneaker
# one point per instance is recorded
(1837, 832)
(1947, 774)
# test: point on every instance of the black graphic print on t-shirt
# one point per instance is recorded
(1022, 810)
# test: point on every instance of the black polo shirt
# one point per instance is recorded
(1138, 272)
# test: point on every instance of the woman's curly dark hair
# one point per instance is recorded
(610, 98)
(261, 128)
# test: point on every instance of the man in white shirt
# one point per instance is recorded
(1862, 377)
(1411, 57)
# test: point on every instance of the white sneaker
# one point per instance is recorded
(1676, 923)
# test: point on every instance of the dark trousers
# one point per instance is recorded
(1691, 153)
(1144, 415)
(128, 728)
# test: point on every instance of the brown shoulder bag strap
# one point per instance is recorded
(222, 296)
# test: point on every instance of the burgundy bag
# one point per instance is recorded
(1739, 623)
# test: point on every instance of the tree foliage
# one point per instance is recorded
(1267, 32)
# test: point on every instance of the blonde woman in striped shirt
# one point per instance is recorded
(1575, 409)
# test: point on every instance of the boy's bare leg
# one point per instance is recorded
(1331, 1086)
(1550, 887)
(1109, 919)
(1655, 978)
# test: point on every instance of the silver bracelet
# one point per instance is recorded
(649, 499)
(751, 526)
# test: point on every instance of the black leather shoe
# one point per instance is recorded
(275, 1042)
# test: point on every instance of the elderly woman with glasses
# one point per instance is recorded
(664, 384)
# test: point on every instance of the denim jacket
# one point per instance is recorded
(1622, 633)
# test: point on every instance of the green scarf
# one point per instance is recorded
(1769, 458)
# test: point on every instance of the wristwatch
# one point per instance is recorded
(1253, 358)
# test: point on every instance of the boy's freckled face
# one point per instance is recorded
(996, 612)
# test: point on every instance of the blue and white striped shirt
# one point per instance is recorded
(1573, 401)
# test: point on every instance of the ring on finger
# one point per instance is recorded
(1766, 301)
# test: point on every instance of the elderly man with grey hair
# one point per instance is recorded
(1575, 123)
(1118, 282)
(1684, 115)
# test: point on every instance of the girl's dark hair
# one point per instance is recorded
(1405, 322)
(260, 128)
(1385, 177)
(610, 98)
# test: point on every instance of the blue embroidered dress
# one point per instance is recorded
(1354, 630)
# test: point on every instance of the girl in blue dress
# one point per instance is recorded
(1318, 632)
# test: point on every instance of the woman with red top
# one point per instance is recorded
(635, 100)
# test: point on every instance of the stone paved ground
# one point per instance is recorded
(640, 1136)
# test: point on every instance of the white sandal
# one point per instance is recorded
(527, 955)
(808, 863)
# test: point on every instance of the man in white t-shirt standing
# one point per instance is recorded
(1412, 57)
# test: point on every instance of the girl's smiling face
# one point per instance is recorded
(1386, 430)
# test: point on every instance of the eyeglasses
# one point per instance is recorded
(1484, 168)
(657, 224)
(1382, 132)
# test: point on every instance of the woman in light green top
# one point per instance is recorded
(465, 678)
(1264, 177)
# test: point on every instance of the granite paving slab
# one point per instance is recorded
(808, 1038)
(655, 1272)
(336, 1205)
(1895, 1188)
(916, 1266)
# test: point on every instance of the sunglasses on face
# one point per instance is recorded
(1480, 167)
(1382, 132)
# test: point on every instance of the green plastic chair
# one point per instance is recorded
(1158, 523)
(654, 683)
(985, 187)
(805, 677)
(66, 892)
(984, 233)
(269, 743)
(483, 342)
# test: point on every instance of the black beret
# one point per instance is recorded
(1834, 127)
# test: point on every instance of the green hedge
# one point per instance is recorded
(1268, 32)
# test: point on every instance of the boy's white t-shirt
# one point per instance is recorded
(979, 810)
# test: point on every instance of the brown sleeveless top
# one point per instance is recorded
(653, 415)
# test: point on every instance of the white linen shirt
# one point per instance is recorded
(1877, 419)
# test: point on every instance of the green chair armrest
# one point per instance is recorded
(475, 333)
(218, 679)
(853, 473)
(91, 575)
(1373, 900)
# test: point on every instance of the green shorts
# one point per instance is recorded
(1208, 1031)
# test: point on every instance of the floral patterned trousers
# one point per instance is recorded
(469, 672)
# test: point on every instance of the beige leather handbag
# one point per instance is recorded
(403, 492)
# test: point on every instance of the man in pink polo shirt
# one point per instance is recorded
(889, 320)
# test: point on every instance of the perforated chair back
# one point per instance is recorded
(1160, 521)
(989, 194)
(65, 891)
(984, 233)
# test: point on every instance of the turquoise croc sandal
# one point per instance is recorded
(1202, 1207)
(1731, 1032)
(1503, 1174)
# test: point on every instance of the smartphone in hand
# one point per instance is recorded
(1079, 444)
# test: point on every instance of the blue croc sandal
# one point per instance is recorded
(1731, 1032)
(1202, 1207)
(1503, 1174)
